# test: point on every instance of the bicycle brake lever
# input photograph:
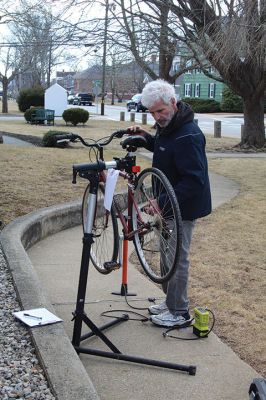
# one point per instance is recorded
(119, 134)
(74, 179)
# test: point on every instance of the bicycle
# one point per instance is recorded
(152, 221)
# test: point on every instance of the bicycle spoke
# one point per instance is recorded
(105, 232)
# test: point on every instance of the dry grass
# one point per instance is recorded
(27, 171)
(228, 262)
(12, 108)
(228, 252)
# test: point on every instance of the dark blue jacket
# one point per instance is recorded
(179, 152)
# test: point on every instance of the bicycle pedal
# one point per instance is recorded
(111, 265)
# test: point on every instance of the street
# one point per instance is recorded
(231, 125)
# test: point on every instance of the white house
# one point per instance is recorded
(55, 98)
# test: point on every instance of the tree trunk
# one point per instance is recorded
(4, 102)
(254, 130)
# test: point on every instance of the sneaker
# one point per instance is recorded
(158, 308)
(169, 320)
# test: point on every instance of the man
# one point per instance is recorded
(179, 152)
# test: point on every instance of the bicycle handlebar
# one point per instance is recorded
(72, 137)
(85, 170)
(127, 163)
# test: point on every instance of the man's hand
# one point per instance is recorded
(136, 130)
(152, 208)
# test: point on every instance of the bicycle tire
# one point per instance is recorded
(105, 246)
(158, 232)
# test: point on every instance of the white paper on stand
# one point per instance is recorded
(110, 184)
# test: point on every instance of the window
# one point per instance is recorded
(175, 66)
(212, 90)
(197, 90)
(188, 65)
(188, 89)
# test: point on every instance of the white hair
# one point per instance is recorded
(155, 91)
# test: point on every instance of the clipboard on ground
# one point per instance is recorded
(37, 317)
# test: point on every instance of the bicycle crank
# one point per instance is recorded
(111, 265)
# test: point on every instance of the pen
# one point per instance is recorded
(31, 316)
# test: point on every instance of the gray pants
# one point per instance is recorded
(177, 287)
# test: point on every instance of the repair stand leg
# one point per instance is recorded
(79, 315)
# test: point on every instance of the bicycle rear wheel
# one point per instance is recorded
(157, 224)
(104, 249)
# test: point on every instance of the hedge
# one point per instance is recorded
(231, 102)
(203, 105)
(75, 116)
(29, 112)
(49, 139)
(28, 98)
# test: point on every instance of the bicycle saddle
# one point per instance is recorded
(131, 143)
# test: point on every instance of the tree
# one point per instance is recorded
(40, 40)
(231, 36)
(150, 33)
(143, 35)
(10, 63)
(41, 37)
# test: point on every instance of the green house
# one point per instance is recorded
(198, 85)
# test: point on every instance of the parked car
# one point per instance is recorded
(135, 104)
(83, 99)
(70, 99)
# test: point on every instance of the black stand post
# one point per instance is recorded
(80, 317)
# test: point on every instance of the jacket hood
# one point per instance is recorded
(183, 115)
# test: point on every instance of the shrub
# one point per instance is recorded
(50, 141)
(203, 105)
(30, 98)
(29, 112)
(231, 102)
(75, 116)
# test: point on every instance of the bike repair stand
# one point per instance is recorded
(124, 289)
(80, 317)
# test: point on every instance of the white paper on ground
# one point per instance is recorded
(37, 317)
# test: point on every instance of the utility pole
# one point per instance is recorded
(104, 55)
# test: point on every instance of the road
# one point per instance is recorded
(231, 125)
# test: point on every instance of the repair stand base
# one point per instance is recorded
(124, 291)
(80, 317)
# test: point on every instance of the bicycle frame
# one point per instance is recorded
(126, 220)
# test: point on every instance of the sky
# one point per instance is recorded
(83, 58)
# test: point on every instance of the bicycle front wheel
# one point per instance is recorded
(105, 246)
(157, 224)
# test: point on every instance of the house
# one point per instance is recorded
(55, 98)
(65, 79)
(197, 85)
(179, 81)
(122, 80)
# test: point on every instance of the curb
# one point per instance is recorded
(64, 371)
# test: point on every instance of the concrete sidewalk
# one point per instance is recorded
(50, 279)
